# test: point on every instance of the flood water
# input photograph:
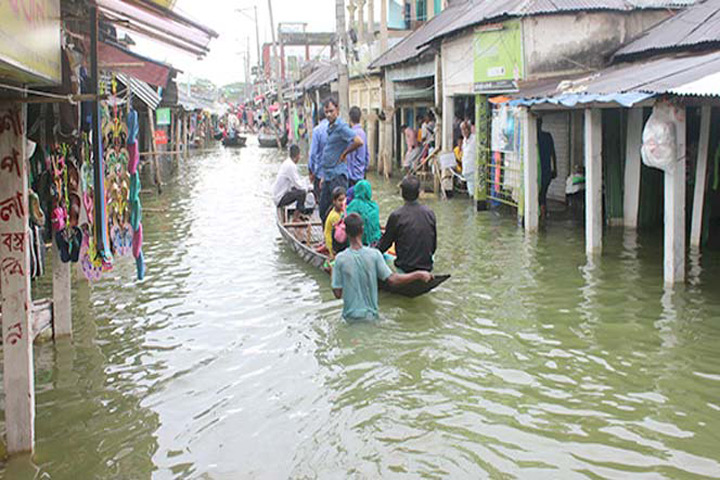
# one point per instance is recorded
(231, 360)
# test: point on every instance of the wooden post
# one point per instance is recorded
(530, 170)
(700, 178)
(186, 125)
(593, 181)
(448, 116)
(371, 138)
(62, 309)
(631, 196)
(483, 121)
(156, 164)
(674, 246)
(18, 371)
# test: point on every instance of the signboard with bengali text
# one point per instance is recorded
(30, 49)
(498, 58)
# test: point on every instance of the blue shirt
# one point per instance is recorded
(319, 139)
(359, 160)
(339, 135)
(356, 272)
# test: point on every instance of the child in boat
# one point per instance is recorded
(336, 213)
(356, 273)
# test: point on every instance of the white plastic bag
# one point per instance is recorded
(659, 138)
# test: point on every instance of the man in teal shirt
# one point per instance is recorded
(357, 270)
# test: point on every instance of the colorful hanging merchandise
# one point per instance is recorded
(134, 197)
(122, 202)
(66, 203)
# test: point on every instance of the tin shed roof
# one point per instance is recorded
(407, 48)
(628, 83)
(698, 25)
(325, 74)
(476, 12)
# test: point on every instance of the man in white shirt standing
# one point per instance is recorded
(469, 154)
(289, 187)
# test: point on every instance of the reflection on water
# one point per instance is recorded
(231, 360)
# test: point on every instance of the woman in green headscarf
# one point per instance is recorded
(363, 205)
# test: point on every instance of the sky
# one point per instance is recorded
(225, 63)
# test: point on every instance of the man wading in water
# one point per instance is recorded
(356, 273)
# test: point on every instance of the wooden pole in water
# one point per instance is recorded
(156, 165)
(18, 369)
(700, 178)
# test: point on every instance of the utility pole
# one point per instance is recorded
(257, 38)
(277, 73)
(341, 39)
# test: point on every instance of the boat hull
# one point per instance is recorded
(318, 260)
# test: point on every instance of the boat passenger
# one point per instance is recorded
(363, 205)
(335, 215)
(341, 140)
(356, 273)
(289, 187)
(359, 160)
(317, 144)
(412, 228)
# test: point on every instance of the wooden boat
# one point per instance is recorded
(236, 141)
(303, 236)
(269, 140)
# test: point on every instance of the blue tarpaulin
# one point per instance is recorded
(573, 99)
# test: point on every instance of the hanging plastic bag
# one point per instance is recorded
(659, 138)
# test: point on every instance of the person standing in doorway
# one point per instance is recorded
(548, 165)
(469, 157)
(341, 140)
(359, 160)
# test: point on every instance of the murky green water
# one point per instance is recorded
(231, 360)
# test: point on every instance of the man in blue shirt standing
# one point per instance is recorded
(341, 140)
(359, 160)
(319, 139)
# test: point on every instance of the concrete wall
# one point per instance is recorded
(457, 65)
(366, 93)
(554, 44)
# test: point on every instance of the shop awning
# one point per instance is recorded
(118, 59)
(627, 84)
(159, 23)
(141, 90)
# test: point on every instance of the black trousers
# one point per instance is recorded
(294, 195)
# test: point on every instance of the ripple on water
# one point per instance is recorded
(230, 360)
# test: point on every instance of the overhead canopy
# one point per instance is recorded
(116, 58)
(159, 23)
(141, 90)
(630, 83)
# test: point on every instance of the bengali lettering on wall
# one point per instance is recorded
(14, 239)
(30, 40)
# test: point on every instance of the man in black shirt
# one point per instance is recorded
(412, 228)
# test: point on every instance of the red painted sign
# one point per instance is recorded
(161, 137)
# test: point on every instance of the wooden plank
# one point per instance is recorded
(42, 317)
(593, 181)
(674, 244)
(62, 310)
(530, 171)
(700, 178)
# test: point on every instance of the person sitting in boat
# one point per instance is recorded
(357, 270)
(363, 205)
(336, 214)
(412, 228)
(289, 188)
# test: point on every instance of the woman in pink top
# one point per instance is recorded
(411, 144)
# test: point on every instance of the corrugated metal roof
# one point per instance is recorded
(657, 76)
(140, 89)
(476, 12)
(699, 24)
(323, 75)
(407, 48)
